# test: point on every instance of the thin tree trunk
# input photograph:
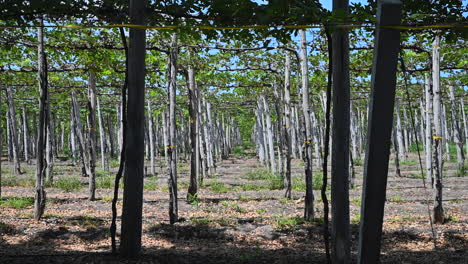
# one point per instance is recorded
(397, 158)
(465, 126)
(1, 149)
(49, 156)
(171, 148)
(259, 135)
(151, 139)
(309, 198)
(279, 129)
(102, 136)
(269, 130)
(110, 132)
(73, 135)
(399, 133)
(8, 136)
(445, 132)
(204, 167)
(92, 101)
(25, 137)
(428, 130)
(40, 194)
(457, 134)
(81, 139)
(438, 153)
(287, 127)
(193, 112)
(13, 131)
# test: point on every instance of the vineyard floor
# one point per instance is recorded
(238, 217)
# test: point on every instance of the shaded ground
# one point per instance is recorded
(237, 219)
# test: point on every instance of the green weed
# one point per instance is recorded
(68, 184)
(105, 182)
(298, 183)
(396, 199)
(219, 187)
(356, 219)
(86, 221)
(19, 182)
(150, 185)
(408, 162)
(16, 202)
(356, 201)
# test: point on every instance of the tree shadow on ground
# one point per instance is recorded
(204, 243)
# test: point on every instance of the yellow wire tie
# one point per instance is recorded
(437, 137)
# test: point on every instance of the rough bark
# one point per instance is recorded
(397, 158)
(279, 129)
(92, 102)
(102, 136)
(307, 130)
(457, 133)
(269, 132)
(171, 123)
(438, 150)
(49, 155)
(40, 194)
(151, 139)
(428, 130)
(287, 126)
(465, 126)
(80, 136)
(25, 137)
(13, 129)
(399, 133)
(1, 149)
(73, 135)
(193, 113)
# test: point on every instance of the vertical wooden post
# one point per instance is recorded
(386, 48)
(340, 142)
(130, 244)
